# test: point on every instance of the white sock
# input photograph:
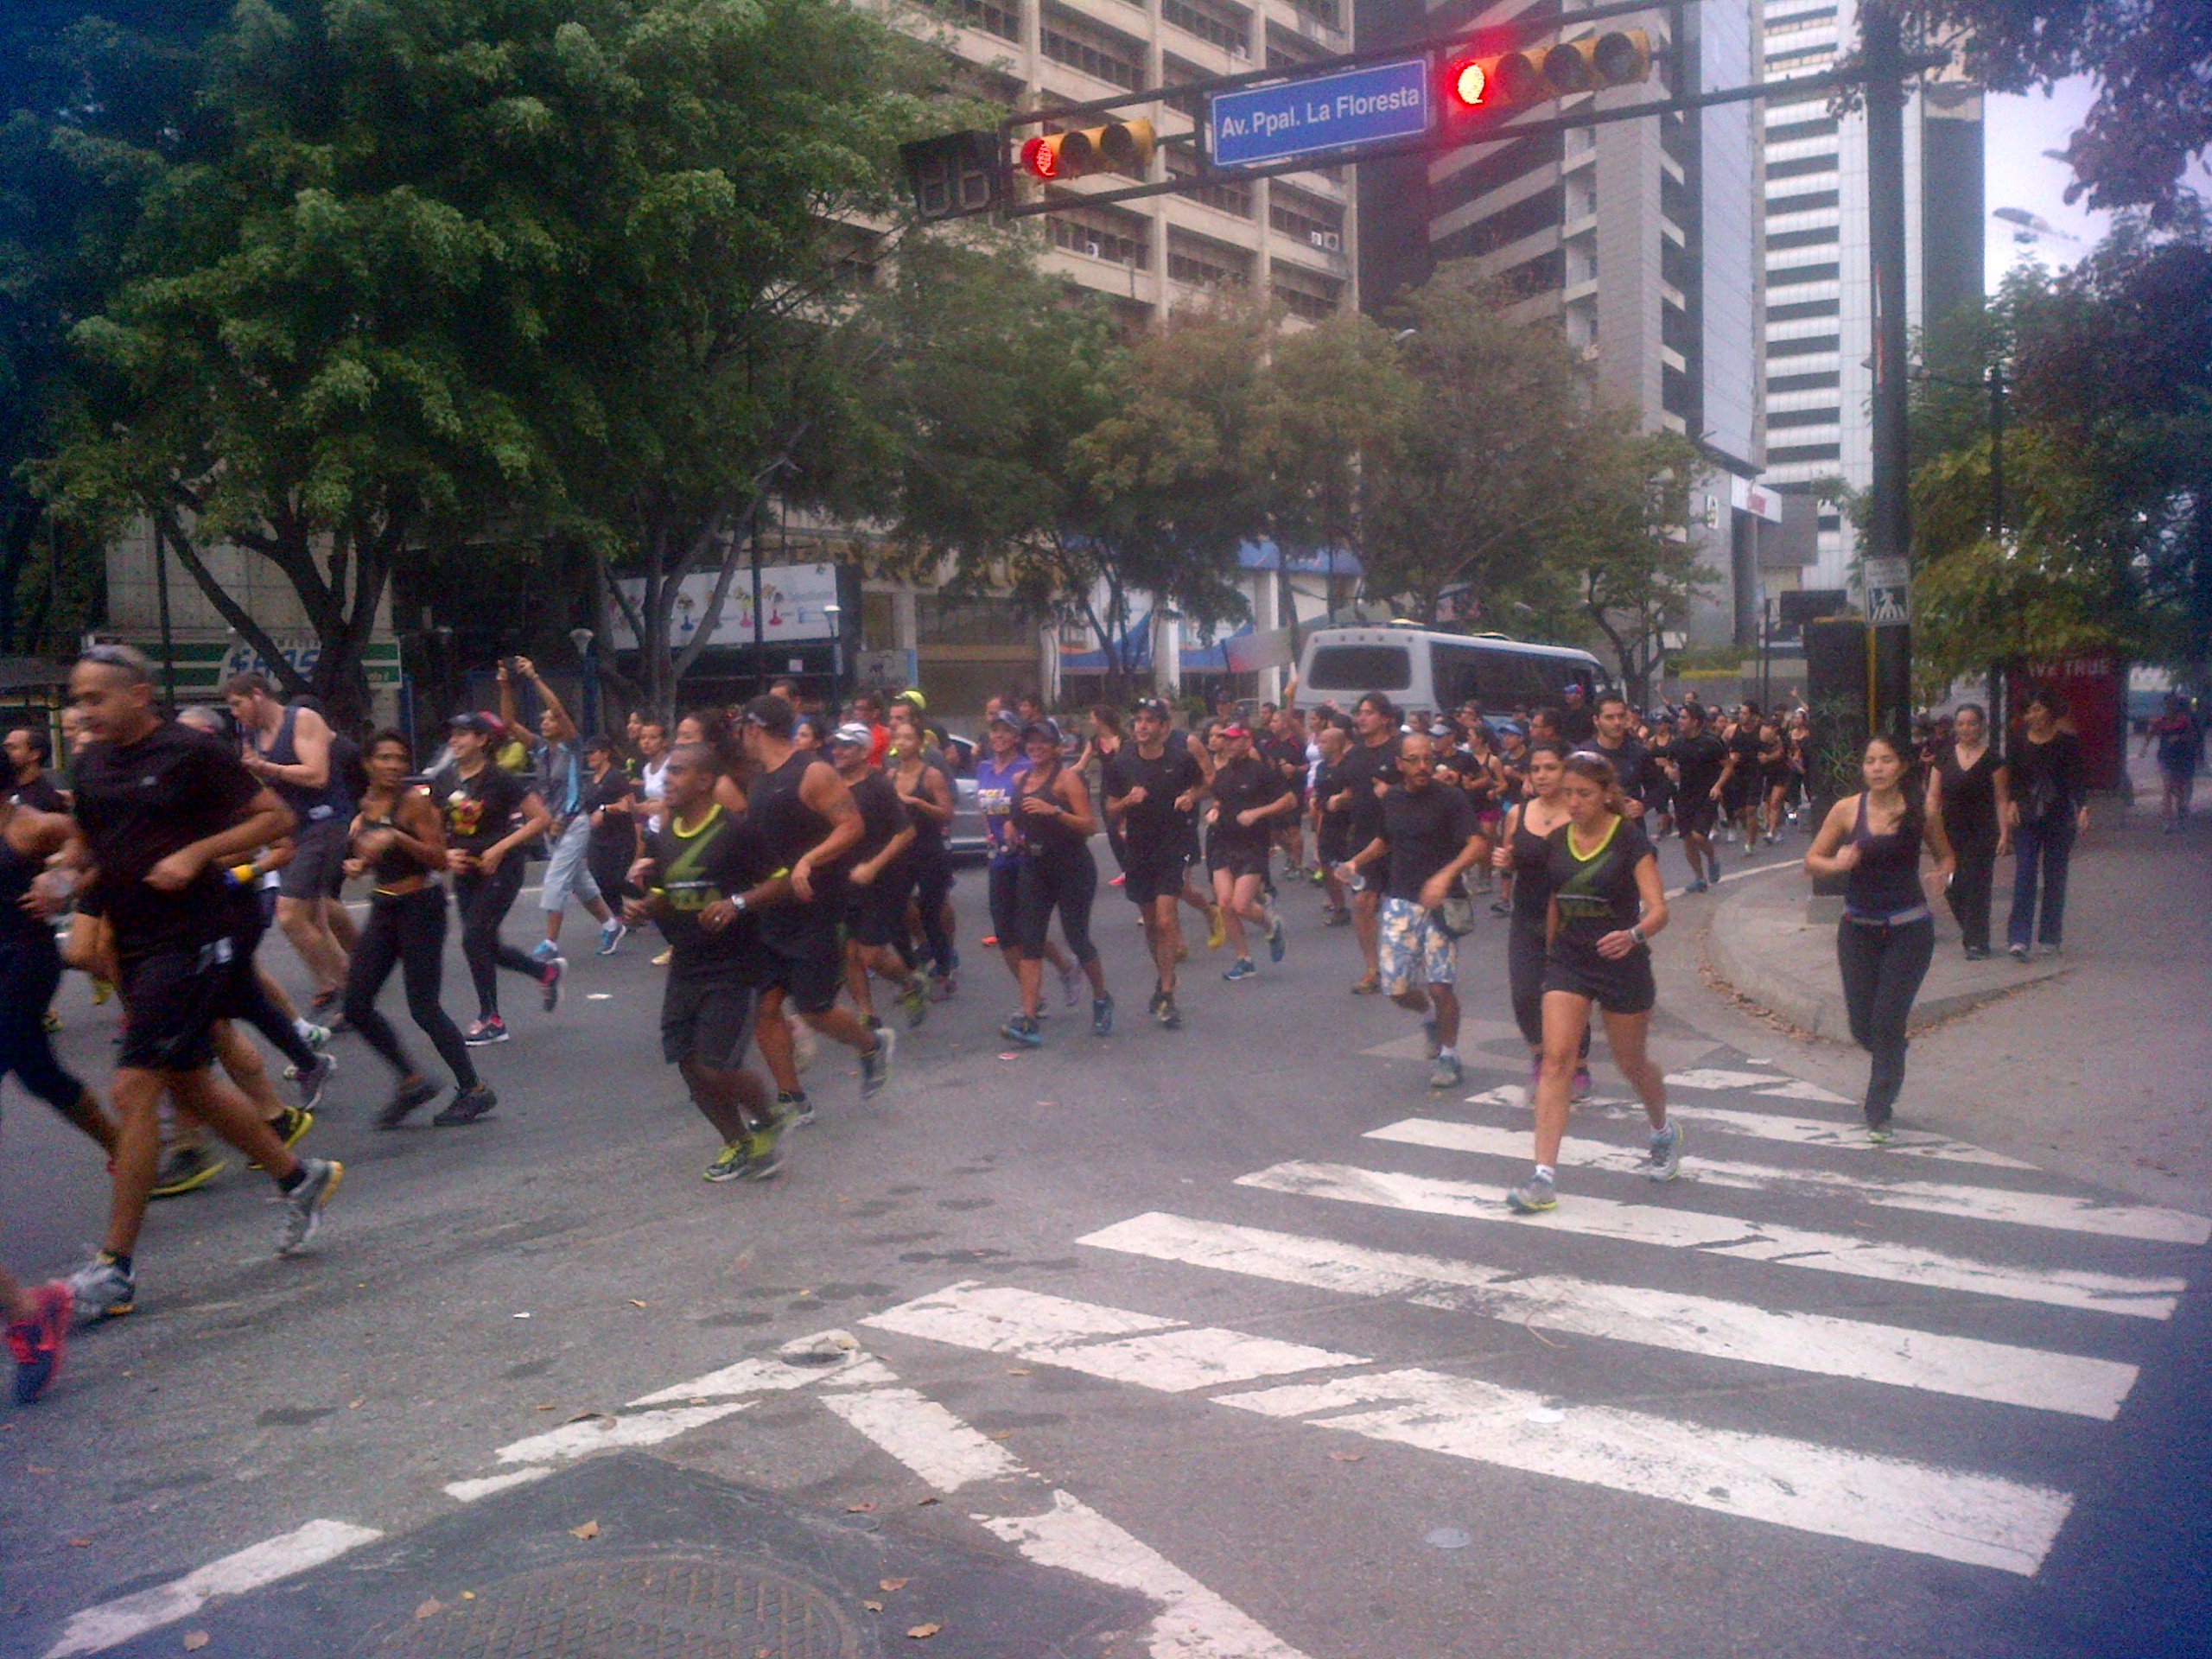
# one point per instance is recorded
(1544, 1172)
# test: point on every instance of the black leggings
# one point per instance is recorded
(1969, 893)
(483, 901)
(28, 979)
(610, 869)
(1067, 880)
(1883, 965)
(250, 1003)
(932, 887)
(408, 929)
(1525, 949)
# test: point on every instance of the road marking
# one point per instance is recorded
(1798, 1088)
(1821, 1343)
(1193, 1624)
(1976, 1519)
(1714, 1077)
(581, 1439)
(926, 1437)
(1731, 1235)
(769, 1375)
(1769, 1125)
(112, 1622)
(2050, 1210)
(1055, 1330)
(468, 1491)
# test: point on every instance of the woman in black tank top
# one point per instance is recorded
(1874, 840)
(1054, 818)
(1524, 853)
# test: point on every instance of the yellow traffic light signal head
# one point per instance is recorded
(1117, 147)
(1506, 80)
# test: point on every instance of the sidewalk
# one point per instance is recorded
(2097, 1064)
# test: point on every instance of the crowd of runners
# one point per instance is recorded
(798, 868)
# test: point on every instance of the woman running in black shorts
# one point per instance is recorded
(1053, 819)
(1606, 904)
(1524, 851)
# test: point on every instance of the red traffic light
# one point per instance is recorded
(1041, 156)
(1469, 81)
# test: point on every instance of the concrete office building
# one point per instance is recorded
(1819, 320)
(1640, 238)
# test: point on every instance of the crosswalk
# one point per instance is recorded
(2000, 1293)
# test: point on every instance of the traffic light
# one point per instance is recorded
(955, 174)
(1117, 147)
(1505, 80)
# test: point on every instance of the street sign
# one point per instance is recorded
(1888, 591)
(1365, 105)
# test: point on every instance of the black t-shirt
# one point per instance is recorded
(720, 858)
(478, 811)
(615, 831)
(1363, 765)
(1287, 755)
(40, 795)
(1328, 784)
(883, 815)
(1238, 786)
(1425, 829)
(1746, 747)
(2046, 777)
(1630, 764)
(1173, 772)
(1597, 895)
(140, 802)
(1579, 726)
(1698, 759)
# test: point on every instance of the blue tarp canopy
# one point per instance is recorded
(1137, 654)
(1213, 658)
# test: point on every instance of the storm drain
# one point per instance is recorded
(650, 1608)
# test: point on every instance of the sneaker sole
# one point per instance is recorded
(1520, 1209)
(193, 1183)
(315, 1215)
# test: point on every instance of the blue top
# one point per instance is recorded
(332, 800)
(995, 787)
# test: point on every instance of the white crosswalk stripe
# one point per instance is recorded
(2053, 1210)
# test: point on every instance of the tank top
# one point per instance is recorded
(395, 863)
(928, 846)
(1043, 838)
(19, 930)
(790, 829)
(1884, 886)
(1532, 879)
(309, 805)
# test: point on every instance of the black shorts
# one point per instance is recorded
(1006, 903)
(805, 961)
(171, 1000)
(1155, 872)
(876, 914)
(707, 1020)
(1622, 987)
(1332, 840)
(318, 866)
(1696, 813)
(1240, 859)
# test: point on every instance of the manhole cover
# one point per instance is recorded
(654, 1608)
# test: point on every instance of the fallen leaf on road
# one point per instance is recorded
(468, 1595)
(588, 1531)
(38, 1469)
(585, 1417)
(634, 1302)
(1017, 1370)
(550, 1405)
(1346, 1456)
(80, 1543)
(860, 1507)
(1003, 1434)
(355, 1405)
(194, 1640)
(926, 1502)
(430, 1608)
(872, 1606)
(923, 1632)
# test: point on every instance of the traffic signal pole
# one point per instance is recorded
(1887, 569)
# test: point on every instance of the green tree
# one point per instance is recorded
(1629, 551)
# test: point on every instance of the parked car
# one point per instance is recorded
(965, 840)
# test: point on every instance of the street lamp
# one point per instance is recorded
(833, 611)
(581, 639)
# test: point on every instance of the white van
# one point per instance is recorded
(1416, 668)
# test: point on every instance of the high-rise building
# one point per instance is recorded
(1290, 238)
(1819, 321)
(1639, 238)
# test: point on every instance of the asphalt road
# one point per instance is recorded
(1229, 1316)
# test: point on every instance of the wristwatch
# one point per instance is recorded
(1636, 933)
(738, 904)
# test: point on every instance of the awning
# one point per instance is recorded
(1264, 555)
(1135, 655)
(1229, 655)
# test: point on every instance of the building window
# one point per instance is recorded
(992, 16)
(1779, 239)
(1804, 418)
(1288, 52)
(1789, 131)
(1104, 63)
(1096, 243)
(1811, 346)
(1228, 28)
(1792, 453)
(1802, 165)
(1791, 276)
(1824, 382)
(1810, 202)
(940, 620)
(1226, 195)
(1803, 308)
(1321, 11)
(1206, 264)
(1306, 294)
(1306, 218)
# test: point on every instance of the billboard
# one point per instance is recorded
(797, 601)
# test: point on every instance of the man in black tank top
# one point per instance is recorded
(288, 748)
(806, 816)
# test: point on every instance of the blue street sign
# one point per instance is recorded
(1299, 117)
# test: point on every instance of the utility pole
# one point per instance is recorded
(1889, 533)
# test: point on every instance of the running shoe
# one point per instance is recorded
(303, 1203)
(465, 1106)
(1366, 985)
(1117, 880)
(942, 985)
(729, 1163)
(1159, 999)
(1977, 953)
(1101, 1016)
(1878, 1131)
(796, 1111)
(1337, 916)
(556, 967)
(290, 1124)
(103, 1289)
(1582, 1084)
(313, 1035)
(1071, 982)
(493, 1030)
(312, 1081)
(1170, 1016)
(664, 959)
(1446, 1073)
(875, 1064)
(1277, 942)
(764, 1149)
(2048, 948)
(183, 1168)
(1665, 1161)
(1242, 969)
(1217, 928)
(544, 950)
(405, 1099)
(915, 999)
(1428, 1035)
(37, 1344)
(1533, 1197)
(612, 935)
(1025, 1030)
(2018, 952)
(1697, 886)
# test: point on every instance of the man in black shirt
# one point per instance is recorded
(1430, 838)
(1578, 724)
(1630, 760)
(708, 873)
(28, 751)
(1699, 758)
(1150, 786)
(1370, 765)
(160, 811)
(490, 815)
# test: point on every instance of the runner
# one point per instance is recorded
(652, 769)
(1774, 776)
(1249, 796)
(1607, 905)
(1053, 823)
(30, 971)
(1370, 764)
(1331, 825)
(806, 816)
(924, 782)
(1699, 760)
(1429, 840)
(1575, 723)
(561, 786)
(1525, 851)
(1970, 790)
(158, 811)
(2180, 740)
(38, 1332)
(399, 841)
(1741, 781)
(1629, 759)
(1105, 741)
(1659, 772)
(709, 872)
(288, 748)
(490, 816)
(615, 844)
(880, 881)
(1874, 840)
(1150, 786)
(997, 774)
(29, 752)
(1285, 750)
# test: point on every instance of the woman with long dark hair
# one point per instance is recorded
(2050, 808)
(1874, 840)
(1054, 822)
(1968, 790)
(1524, 852)
(399, 840)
